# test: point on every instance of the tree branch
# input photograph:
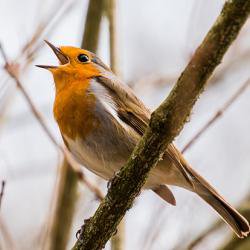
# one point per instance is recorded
(2, 191)
(65, 204)
(92, 25)
(113, 48)
(118, 239)
(165, 124)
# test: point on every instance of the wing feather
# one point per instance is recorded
(134, 113)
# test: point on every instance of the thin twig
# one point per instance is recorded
(65, 201)
(217, 115)
(7, 239)
(33, 45)
(98, 193)
(2, 191)
(92, 25)
(113, 46)
(117, 240)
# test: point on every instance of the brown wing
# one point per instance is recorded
(134, 113)
(129, 108)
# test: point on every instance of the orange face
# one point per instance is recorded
(75, 65)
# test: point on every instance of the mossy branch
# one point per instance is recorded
(165, 124)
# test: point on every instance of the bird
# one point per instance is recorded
(101, 120)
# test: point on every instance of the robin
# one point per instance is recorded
(101, 120)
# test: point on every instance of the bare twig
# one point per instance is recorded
(33, 45)
(8, 242)
(92, 25)
(117, 240)
(64, 207)
(11, 69)
(152, 80)
(216, 116)
(113, 48)
(2, 191)
(98, 193)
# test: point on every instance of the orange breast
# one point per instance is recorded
(74, 110)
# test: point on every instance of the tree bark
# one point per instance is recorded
(165, 124)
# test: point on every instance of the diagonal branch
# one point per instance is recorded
(165, 124)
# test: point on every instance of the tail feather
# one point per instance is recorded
(233, 218)
(165, 193)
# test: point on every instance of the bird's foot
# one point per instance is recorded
(80, 231)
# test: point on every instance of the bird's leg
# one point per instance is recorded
(80, 231)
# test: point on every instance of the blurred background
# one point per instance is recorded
(155, 40)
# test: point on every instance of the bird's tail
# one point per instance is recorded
(233, 218)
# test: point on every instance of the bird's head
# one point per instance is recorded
(75, 64)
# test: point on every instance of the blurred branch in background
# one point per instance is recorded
(111, 11)
(13, 70)
(44, 29)
(165, 124)
(244, 209)
(66, 193)
(2, 192)
(217, 115)
(6, 241)
(117, 240)
(28, 52)
(65, 203)
(154, 227)
(22, 61)
(156, 80)
(92, 25)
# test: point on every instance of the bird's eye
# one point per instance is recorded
(83, 58)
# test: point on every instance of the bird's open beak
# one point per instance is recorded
(63, 59)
